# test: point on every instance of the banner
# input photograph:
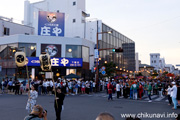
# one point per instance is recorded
(51, 24)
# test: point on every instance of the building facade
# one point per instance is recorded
(76, 50)
(8, 27)
(97, 30)
(157, 62)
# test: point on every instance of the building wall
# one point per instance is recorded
(14, 28)
(63, 6)
(137, 61)
(154, 60)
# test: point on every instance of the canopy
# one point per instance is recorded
(170, 75)
(71, 76)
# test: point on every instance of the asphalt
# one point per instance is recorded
(82, 107)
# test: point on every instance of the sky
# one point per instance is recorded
(154, 25)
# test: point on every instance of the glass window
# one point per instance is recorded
(85, 54)
(6, 31)
(74, 20)
(7, 51)
(30, 49)
(74, 3)
(70, 71)
(73, 51)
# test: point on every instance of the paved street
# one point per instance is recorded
(82, 107)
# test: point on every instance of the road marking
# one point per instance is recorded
(159, 99)
(152, 97)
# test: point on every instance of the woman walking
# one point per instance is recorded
(32, 99)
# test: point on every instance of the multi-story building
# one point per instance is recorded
(124, 61)
(157, 62)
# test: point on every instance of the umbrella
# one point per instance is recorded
(71, 76)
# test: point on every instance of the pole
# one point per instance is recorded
(54, 87)
(28, 79)
(97, 69)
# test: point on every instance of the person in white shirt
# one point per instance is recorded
(45, 87)
(169, 94)
(118, 89)
(174, 94)
(94, 86)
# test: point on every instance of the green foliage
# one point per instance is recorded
(110, 68)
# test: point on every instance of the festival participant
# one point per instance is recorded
(140, 90)
(32, 99)
(118, 89)
(110, 87)
(134, 88)
(169, 94)
(58, 102)
(149, 91)
(174, 95)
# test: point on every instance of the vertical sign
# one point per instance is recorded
(51, 24)
(33, 73)
(96, 54)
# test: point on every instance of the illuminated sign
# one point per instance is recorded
(51, 24)
(59, 62)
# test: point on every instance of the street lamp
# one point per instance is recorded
(97, 69)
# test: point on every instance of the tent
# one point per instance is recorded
(72, 76)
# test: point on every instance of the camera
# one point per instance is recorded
(44, 112)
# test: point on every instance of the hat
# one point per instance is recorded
(173, 83)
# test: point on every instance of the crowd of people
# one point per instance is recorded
(128, 88)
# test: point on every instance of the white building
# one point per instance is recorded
(8, 27)
(157, 62)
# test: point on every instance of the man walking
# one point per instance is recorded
(174, 94)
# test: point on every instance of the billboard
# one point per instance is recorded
(51, 23)
(53, 49)
(59, 62)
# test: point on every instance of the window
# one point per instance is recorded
(73, 51)
(152, 61)
(30, 49)
(6, 31)
(74, 20)
(85, 54)
(155, 61)
(74, 3)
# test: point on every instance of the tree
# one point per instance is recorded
(110, 69)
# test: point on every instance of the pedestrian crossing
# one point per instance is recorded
(155, 98)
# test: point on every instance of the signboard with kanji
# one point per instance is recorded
(51, 23)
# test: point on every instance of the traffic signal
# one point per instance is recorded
(20, 59)
(45, 62)
(119, 50)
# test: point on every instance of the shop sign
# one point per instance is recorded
(59, 62)
(51, 23)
